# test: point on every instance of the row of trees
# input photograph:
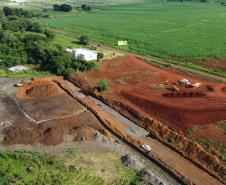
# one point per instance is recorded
(62, 7)
(68, 8)
(19, 12)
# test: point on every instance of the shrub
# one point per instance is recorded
(102, 85)
(49, 33)
(62, 7)
(84, 39)
(100, 55)
(85, 7)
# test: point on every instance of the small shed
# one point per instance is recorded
(84, 54)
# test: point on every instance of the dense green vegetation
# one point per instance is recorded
(34, 168)
(26, 42)
(188, 31)
(19, 12)
(62, 7)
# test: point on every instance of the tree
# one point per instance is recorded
(7, 11)
(49, 33)
(85, 7)
(84, 39)
(100, 55)
(56, 7)
(62, 7)
(65, 7)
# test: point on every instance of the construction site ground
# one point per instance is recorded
(148, 89)
(41, 116)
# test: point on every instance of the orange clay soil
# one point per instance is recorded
(144, 87)
(52, 129)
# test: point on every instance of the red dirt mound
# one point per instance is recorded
(84, 134)
(39, 88)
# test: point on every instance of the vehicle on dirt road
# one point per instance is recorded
(146, 148)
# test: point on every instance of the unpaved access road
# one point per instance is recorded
(174, 160)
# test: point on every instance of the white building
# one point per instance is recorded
(83, 54)
(18, 1)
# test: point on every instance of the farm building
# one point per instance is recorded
(18, 1)
(83, 54)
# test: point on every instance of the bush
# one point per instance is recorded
(62, 7)
(85, 7)
(102, 85)
(100, 55)
(49, 33)
(84, 40)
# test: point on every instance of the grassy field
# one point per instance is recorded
(77, 168)
(185, 30)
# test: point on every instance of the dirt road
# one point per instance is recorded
(174, 161)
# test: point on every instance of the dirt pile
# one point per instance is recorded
(39, 88)
(84, 134)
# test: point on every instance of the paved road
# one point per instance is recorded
(159, 150)
(163, 62)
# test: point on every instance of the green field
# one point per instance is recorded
(183, 30)
(34, 168)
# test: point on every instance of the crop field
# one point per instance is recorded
(187, 31)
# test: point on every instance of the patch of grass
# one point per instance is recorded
(207, 143)
(27, 167)
(189, 133)
(222, 124)
(26, 74)
(71, 152)
(123, 80)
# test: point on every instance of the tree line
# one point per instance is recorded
(68, 8)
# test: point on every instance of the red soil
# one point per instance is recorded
(142, 86)
(39, 88)
(219, 64)
(44, 101)
(211, 131)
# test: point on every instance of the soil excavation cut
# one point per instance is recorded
(155, 91)
(44, 113)
(148, 88)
